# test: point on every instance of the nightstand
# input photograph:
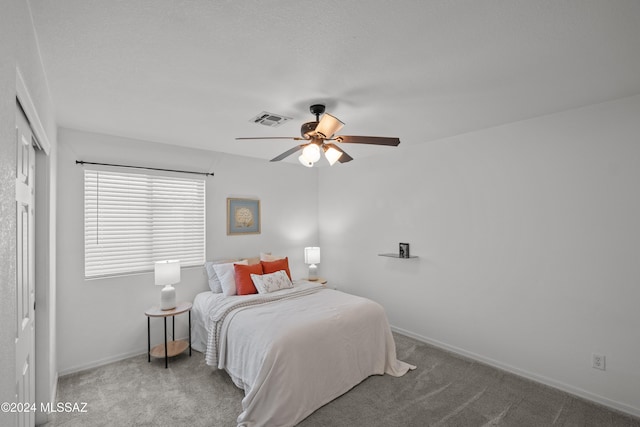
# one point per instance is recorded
(171, 348)
(320, 280)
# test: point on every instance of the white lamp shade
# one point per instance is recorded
(311, 152)
(167, 272)
(328, 126)
(332, 155)
(312, 255)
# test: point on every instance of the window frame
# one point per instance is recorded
(162, 192)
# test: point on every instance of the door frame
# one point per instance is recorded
(29, 108)
(45, 327)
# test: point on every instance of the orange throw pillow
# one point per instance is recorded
(244, 284)
(277, 265)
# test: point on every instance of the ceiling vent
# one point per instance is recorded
(270, 119)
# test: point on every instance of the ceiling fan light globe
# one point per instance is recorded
(328, 126)
(305, 161)
(332, 155)
(311, 153)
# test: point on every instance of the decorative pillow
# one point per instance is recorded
(273, 266)
(244, 284)
(227, 277)
(271, 282)
(214, 280)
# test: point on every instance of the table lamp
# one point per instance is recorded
(167, 273)
(312, 257)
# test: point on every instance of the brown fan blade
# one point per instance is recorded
(374, 140)
(288, 153)
(295, 138)
(345, 157)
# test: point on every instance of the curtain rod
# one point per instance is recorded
(80, 162)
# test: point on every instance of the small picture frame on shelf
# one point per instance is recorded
(404, 250)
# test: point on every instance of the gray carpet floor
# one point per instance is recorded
(445, 390)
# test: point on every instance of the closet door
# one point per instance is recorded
(25, 271)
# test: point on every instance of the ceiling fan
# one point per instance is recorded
(322, 139)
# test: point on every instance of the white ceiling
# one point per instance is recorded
(194, 73)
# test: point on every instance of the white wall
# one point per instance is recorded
(528, 242)
(103, 320)
(18, 49)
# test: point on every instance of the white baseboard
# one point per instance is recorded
(100, 362)
(618, 406)
(105, 361)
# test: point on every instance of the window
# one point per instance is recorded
(132, 220)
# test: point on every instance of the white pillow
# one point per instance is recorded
(214, 281)
(227, 276)
(271, 282)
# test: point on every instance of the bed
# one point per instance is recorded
(294, 350)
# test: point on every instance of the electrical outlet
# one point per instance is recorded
(598, 361)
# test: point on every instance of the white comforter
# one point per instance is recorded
(294, 350)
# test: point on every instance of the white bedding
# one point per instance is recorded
(294, 350)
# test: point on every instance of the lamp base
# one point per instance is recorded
(313, 272)
(168, 298)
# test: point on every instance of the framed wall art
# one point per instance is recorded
(243, 216)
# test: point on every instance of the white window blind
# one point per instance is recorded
(132, 220)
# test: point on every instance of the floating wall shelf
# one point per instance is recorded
(397, 256)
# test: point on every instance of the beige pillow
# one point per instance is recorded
(253, 260)
(266, 256)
